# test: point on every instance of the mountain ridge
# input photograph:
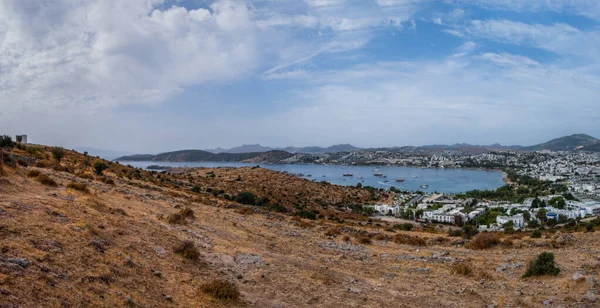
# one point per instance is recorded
(575, 142)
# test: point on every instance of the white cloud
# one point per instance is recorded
(101, 53)
(559, 38)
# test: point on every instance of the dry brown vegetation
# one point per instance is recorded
(114, 248)
(46, 180)
(484, 240)
(222, 290)
(81, 187)
(409, 240)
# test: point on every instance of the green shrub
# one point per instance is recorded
(543, 265)
(99, 167)
(404, 227)
(6, 141)
(58, 153)
(222, 290)
(589, 227)
(470, 231)
(246, 197)
(455, 233)
(306, 214)
(536, 234)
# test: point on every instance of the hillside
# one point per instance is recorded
(567, 143)
(143, 239)
(190, 156)
(270, 156)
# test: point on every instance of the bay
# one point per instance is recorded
(437, 180)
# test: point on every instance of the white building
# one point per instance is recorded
(518, 220)
(385, 209)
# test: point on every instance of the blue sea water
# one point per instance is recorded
(438, 180)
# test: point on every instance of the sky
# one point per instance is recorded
(147, 76)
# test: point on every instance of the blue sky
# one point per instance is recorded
(154, 75)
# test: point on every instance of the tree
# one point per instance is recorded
(6, 141)
(543, 265)
(470, 231)
(99, 166)
(58, 153)
(246, 197)
(562, 218)
(541, 215)
(526, 216)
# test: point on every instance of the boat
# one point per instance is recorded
(400, 180)
(424, 186)
(347, 174)
(376, 172)
(385, 181)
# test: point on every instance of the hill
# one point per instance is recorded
(190, 156)
(567, 143)
(129, 237)
(269, 157)
(257, 148)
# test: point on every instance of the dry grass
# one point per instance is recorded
(188, 250)
(46, 180)
(222, 290)
(363, 239)
(462, 268)
(333, 231)
(181, 217)
(81, 187)
(484, 240)
(86, 176)
(409, 240)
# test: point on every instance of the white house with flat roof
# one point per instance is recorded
(518, 220)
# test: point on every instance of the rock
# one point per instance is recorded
(589, 297)
(578, 276)
(440, 254)
(591, 281)
(506, 266)
(354, 290)
(22, 262)
(548, 302)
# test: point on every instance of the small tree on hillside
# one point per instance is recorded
(99, 166)
(6, 141)
(543, 265)
(246, 197)
(58, 153)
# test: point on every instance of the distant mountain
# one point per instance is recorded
(246, 148)
(106, 154)
(257, 148)
(568, 143)
(190, 156)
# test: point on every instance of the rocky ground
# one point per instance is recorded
(117, 244)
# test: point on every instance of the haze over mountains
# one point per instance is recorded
(577, 142)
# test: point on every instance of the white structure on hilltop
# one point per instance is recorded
(21, 139)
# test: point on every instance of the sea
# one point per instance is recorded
(415, 178)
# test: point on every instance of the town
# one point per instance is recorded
(543, 188)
